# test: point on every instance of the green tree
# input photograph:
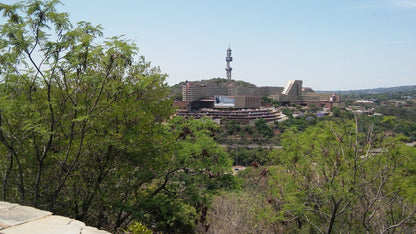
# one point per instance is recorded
(314, 108)
(264, 129)
(333, 178)
(198, 168)
(82, 132)
(76, 112)
(138, 228)
(288, 112)
(232, 127)
(336, 111)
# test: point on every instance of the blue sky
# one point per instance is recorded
(329, 44)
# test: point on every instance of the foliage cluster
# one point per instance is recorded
(393, 120)
(269, 101)
(84, 130)
(253, 143)
(334, 177)
(233, 132)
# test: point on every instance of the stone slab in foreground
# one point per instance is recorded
(16, 219)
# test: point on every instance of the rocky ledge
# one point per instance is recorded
(16, 219)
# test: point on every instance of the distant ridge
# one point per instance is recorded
(405, 88)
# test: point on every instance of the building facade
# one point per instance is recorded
(210, 96)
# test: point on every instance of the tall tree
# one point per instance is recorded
(83, 129)
(80, 117)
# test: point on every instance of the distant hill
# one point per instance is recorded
(176, 90)
(408, 88)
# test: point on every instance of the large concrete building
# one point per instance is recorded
(294, 93)
(198, 96)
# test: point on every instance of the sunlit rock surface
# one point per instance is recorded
(16, 219)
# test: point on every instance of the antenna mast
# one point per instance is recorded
(228, 59)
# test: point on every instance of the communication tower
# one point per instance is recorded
(228, 59)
